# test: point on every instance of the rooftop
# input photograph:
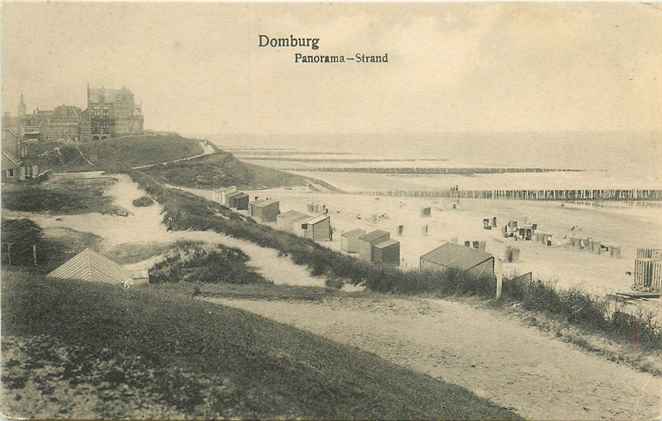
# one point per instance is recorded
(460, 257)
(387, 243)
(292, 215)
(317, 219)
(373, 236)
(353, 233)
(263, 203)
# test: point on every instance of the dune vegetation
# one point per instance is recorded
(82, 350)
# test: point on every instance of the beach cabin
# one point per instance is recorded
(290, 221)
(369, 240)
(237, 200)
(544, 237)
(611, 249)
(647, 274)
(349, 240)
(511, 254)
(265, 210)
(449, 255)
(387, 253)
(427, 211)
(525, 232)
(90, 266)
(317, 228)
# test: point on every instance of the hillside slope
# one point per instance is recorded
(223, 169)
(115, 153)
(90, 351)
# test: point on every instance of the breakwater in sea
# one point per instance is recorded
(433, 170)
(521, 194)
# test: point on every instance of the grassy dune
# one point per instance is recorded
(96, 351)
(116, 153)
(223, 169)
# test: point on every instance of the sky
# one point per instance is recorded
(197, 68)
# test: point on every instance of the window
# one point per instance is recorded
(11, 172)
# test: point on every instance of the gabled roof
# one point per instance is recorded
(292, 215)
(316, 219)
(235, 194)
(353, 233)
(9, 161)
(263, 203)
(387, 243)
(456, 256)
(376, 235)
(91, 266)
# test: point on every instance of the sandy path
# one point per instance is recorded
(497, 358)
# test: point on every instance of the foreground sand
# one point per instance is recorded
(513, 365)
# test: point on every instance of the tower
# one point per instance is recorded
(21, 107)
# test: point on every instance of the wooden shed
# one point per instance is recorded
(386, 253)
(237, 200)
(454, 256)
(367, 241)
(349, 240)
(317, 228)
(265, 210)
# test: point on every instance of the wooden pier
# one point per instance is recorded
(522, 194)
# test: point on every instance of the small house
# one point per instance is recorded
(427, 211)
(349, 240)
(90, 266)
(386, 253)
(454, 256)
(14, 169)
(290, 220)
(369, 240)
(237, 200)
(317, 228)
(265, 210)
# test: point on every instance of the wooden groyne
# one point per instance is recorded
(431, 170)
(556, 194)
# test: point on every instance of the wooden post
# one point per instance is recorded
(499, 284)
(9, 253)
(34, 254)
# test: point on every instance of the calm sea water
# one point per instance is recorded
(626, 155)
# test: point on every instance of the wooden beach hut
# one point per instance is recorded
(449, 255)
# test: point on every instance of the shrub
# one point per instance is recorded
(143, 201)
(193, 262)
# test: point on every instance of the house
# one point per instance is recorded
(90, 266)
(237, 200)
(317, 228)
(290, 221)
(369, 240)
(454, 256)
(349, 240)
(10, 168)
(265, 210)
(14, 169)
(386, 253)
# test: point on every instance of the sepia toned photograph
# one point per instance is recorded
(399, 211)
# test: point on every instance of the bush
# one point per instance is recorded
(192, 262)
(580, 308)
(143, 201)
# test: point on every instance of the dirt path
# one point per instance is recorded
(207, 150)
(497, 358)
